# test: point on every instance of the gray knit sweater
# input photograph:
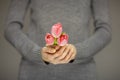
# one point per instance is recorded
(74, 16)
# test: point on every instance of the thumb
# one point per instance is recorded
(50, 49)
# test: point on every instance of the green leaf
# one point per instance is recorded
(55, 41)
(63, 33)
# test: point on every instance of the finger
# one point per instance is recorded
(57, 54)
(45, 57)
(48, 57)
(68, 57)
(72, 57)
(55, 62)
(49, 49)
(64, 54)
(63, 62)
(69, 54)
(59, 62)
(56, 47)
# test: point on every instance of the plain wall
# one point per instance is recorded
(107, 60)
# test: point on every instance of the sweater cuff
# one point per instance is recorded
(35, 54)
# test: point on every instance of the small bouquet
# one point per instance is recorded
(57, 37)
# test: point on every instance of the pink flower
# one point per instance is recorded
(49, 39)
(56, 30)
(57, 37)
(63, 39)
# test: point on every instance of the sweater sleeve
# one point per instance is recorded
(102, 32)
(14, 34)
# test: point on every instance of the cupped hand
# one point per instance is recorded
(47, 52)
(65, 54)
(59, 54)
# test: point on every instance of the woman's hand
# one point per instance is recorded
(47, 53)
(59, 54)
(65, 54)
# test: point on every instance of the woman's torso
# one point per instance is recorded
(74, 16)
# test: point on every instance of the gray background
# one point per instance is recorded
(108, 61)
